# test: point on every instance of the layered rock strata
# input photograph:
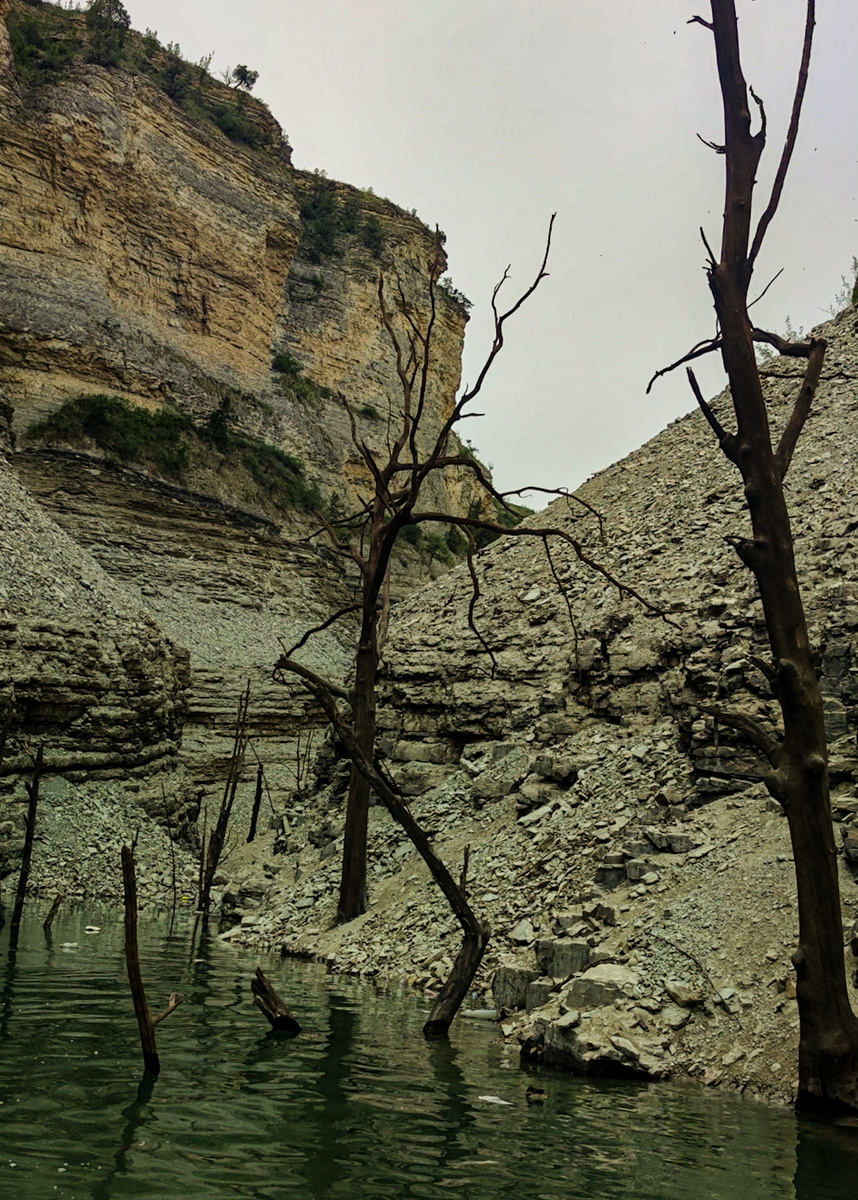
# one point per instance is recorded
(87, 672)
(224, 584)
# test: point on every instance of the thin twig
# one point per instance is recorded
(343, 612)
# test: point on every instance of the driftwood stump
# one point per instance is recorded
(49, 919)
(272, 1006)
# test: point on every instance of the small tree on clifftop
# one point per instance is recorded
(108, 23)
(798, 758)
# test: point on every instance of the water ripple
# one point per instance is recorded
(357, 1108)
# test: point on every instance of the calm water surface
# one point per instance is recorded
(358, 1107)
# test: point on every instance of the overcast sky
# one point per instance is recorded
(488, 115)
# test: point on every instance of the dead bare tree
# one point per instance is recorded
(257, 803)
(271, 1004)
(397, 477)
(475, 932)
(798, 758)
(55, 908)
(33, 794)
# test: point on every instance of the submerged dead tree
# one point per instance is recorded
(475, 931)
(146, 1022)
(271, 1004)
(798, 757)
(29, 835)
(212, 850)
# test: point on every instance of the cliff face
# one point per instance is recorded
(147, 255)
(86, 670)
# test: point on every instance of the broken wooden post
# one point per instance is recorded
(272, 1006)
(257, 801)
(217, 837)
(33, 793)
(145, 1021)
(49, 919)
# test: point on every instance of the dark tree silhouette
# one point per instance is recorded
(798, 758)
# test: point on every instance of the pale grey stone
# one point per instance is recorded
(601, 985)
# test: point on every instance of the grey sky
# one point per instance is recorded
(488, 115)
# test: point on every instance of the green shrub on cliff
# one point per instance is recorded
(44, 44)
(230, 120)
(326, 218)
(48, 40)
(294, 383)
(127, 433)
(171, 443)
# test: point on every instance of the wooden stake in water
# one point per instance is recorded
(145, 1021)
(33, 793)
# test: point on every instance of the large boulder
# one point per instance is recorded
(600, 985)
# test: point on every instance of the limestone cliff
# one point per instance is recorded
(145, 253)
(156, 245)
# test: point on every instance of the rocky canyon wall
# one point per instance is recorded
(147, 255)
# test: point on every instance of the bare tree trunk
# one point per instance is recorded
(353, 888)
(33, 793)
(174, 888)
(151, 1062)
(257, 803)
(217, 838)
(145, 1021)
(476, 932)
(828, 1046)
(55, 908)
(828, 1043)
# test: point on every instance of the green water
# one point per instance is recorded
(358, 1107)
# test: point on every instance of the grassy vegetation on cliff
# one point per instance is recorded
(171, 444)
(327, 217)
(48, 41)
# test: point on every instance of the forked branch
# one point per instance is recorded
(801, 408)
